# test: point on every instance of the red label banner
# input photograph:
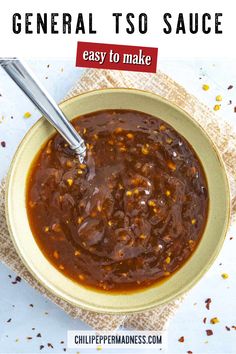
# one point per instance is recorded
(116, 57)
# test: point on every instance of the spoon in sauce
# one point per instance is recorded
(45, 103)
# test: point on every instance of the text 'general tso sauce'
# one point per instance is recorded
(128, 217)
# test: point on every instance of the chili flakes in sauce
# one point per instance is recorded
(128, 217)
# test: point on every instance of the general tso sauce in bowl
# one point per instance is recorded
(134, 226)
(127, 217)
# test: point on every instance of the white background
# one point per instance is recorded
(188, 321)
(172, 45)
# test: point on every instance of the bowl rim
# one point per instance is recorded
(185, 288)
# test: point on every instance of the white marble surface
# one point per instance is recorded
(49, 320)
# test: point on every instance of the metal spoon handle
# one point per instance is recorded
(44, 102)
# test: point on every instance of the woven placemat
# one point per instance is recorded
(221, 133)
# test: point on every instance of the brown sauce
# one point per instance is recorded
(131, 215)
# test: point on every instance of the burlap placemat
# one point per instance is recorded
(221, 133)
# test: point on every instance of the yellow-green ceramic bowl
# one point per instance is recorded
(183, 279)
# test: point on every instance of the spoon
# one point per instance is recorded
(45, 103)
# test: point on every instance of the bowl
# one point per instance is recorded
(188, 274)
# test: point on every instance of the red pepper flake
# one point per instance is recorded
(181, 339)
(234, 327)
(204, 320)
(189, 352)
(50, 345)
(3, 144)
(29, 338)
(39, 335)
(234, 109)
(17, 280)
(227, 328)
(230, 87)
(231, 238)
(207, 302)
(41, 347)
(209, 332)
(8, 321)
